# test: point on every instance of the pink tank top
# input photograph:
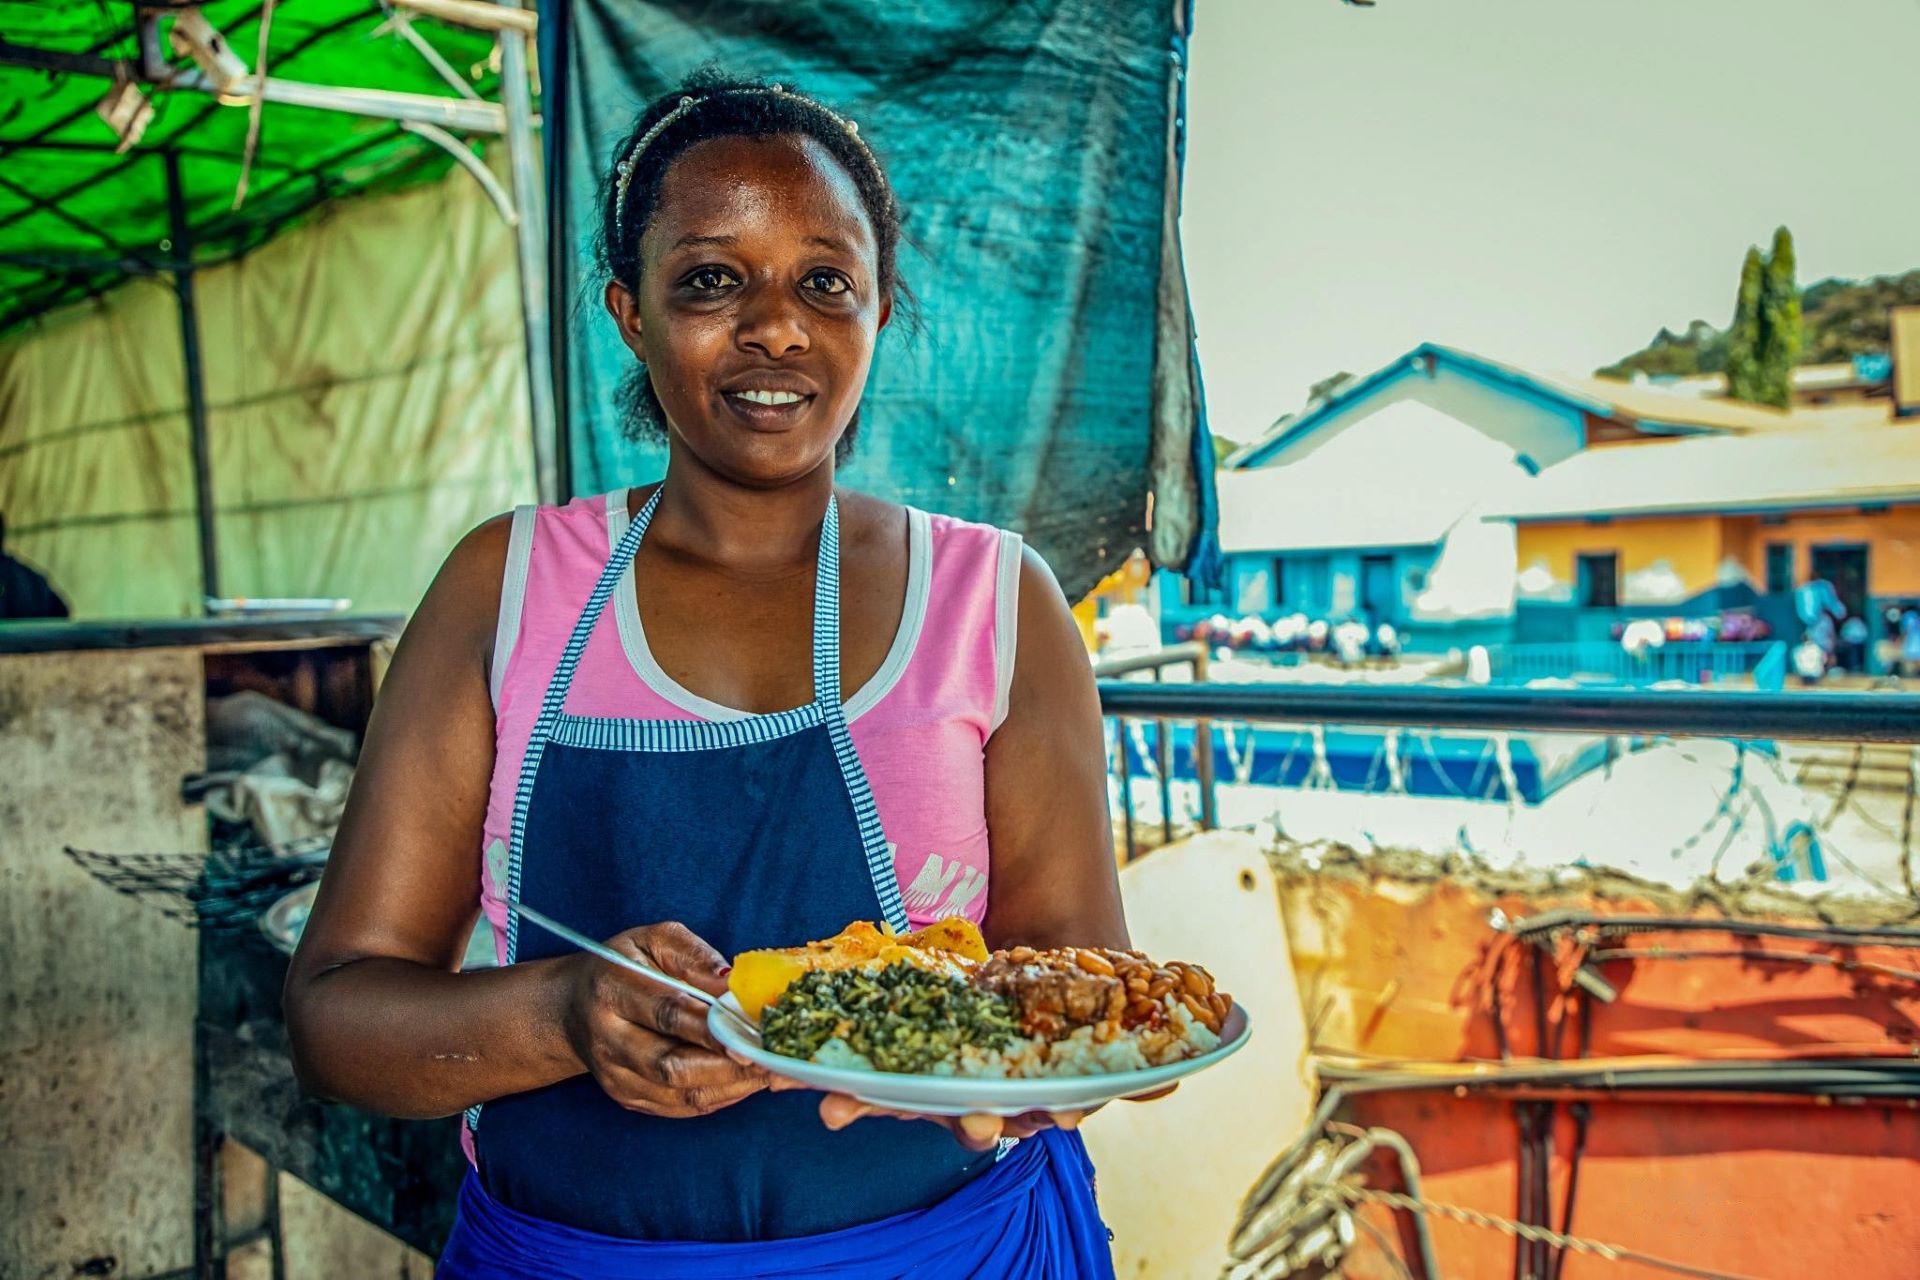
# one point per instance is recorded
(920, 725)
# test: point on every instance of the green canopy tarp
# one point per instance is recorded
(76, 218)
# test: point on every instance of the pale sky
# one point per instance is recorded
(1546, 182)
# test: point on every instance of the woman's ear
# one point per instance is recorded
(624, 307)
(886, 311)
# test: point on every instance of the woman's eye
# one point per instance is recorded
(828, 282)
(707, 278)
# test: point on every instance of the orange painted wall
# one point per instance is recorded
(1406, 974)
(1691, 544)
(1893, 539)
(1696, 545)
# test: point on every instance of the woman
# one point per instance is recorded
(737, 709)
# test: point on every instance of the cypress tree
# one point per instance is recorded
(1780, 335)
(1743, 337)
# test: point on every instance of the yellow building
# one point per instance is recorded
(1698, 525)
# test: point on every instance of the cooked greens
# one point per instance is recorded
(901, 1018)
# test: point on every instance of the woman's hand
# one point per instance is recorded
(649, 1046)
(976, 1132)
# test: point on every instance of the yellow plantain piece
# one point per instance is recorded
(760, 977)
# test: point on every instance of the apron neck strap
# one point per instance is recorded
(826, 608)
(826, 611)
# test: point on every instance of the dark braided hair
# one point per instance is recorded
(727, 107)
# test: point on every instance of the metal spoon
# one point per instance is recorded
(628, 963)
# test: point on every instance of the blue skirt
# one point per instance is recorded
(1032, 1216)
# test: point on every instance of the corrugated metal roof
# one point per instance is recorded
(1845, 465)
(1649, 403)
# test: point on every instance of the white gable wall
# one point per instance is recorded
(1409, 467)
(1543, 430)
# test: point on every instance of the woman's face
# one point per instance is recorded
(758, 305)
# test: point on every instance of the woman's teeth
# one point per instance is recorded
(769, 397)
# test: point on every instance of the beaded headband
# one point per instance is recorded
(685, 107)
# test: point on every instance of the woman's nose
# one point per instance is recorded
(772, 322)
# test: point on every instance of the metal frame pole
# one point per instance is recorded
(181, 251)
(1126, 784)
(530, 241)
(1203, 754)
(381, 104)
(1163, 763)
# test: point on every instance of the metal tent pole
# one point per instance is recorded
(530, 239)
(181, 251)
(382, 104)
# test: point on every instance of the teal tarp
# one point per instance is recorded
(1052, 387)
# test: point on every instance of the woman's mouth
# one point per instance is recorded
(766, 408)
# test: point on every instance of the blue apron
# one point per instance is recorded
(753, 833)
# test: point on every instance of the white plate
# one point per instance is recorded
(961, 1095)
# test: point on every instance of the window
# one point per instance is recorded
(1309, 586)
(1379, 589)
(1598, 576)
(1779, 568)
(1278, 595)
(1251, 588)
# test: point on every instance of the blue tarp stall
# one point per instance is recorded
(1036, 145)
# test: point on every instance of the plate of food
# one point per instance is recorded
(935, 1023)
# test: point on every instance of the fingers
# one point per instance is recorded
(776, 1083)
(976, 1132)
(674, 1064)
(677, 950)
(673, 949)
(671, 1014)
(646, 1072)
(837, 1110)
(638, 1091)
(1033, 1122)
(979, 1132)
(1149, 1097)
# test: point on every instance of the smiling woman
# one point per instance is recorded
(732, 711)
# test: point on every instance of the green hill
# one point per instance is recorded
(1841, 318)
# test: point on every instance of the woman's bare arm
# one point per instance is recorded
(376, 1011)
(1053, 880)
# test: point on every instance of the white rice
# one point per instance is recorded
(838, 1053)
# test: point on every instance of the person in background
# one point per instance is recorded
(1854, 634)
(1910, 642)
(24, 591)
(1820, 610)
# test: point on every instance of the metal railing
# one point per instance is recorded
(1805, 716)
(1193, 656)
(1808, 716)
(1692, 661)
